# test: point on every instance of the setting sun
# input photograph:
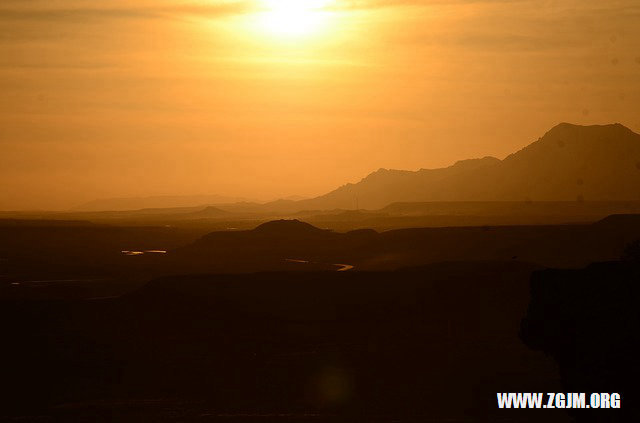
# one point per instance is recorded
(292, 18)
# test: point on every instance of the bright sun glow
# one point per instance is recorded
(293, 18)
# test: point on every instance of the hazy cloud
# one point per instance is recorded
(69, 11)
(82, 14)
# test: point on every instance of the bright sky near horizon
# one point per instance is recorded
(270, 98)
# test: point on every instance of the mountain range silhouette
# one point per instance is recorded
(569, 163)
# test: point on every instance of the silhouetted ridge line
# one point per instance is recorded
(629, 220)
(287, 226)
(569, 163)
(596, 346)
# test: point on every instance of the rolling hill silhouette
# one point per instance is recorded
(569, 163)
(296, 245)
(288, 227)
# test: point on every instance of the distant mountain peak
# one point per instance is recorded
(575, 125)
(209, 211)
(565, 128)
(385, 171)
(475, 163)
(581, 140)
(213, 209)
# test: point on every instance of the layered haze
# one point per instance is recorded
(139, 99)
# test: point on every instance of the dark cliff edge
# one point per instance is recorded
(588, 321)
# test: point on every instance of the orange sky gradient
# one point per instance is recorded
(166, 97)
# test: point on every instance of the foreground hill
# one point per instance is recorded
(568, 163)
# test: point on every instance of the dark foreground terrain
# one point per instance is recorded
(426, 344)
(429, 343)
(427, 325)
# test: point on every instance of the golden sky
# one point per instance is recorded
(271, 98)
